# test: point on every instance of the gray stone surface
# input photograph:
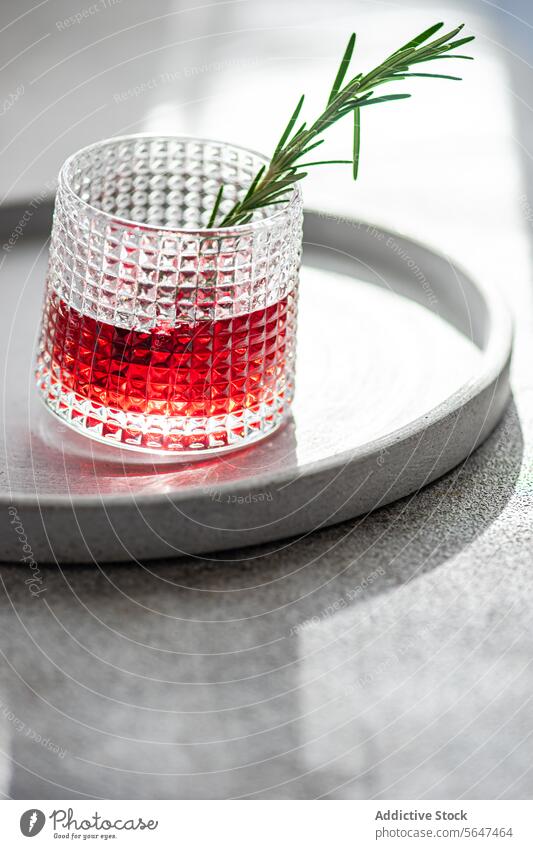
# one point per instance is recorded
(385, 657)
(382, 657)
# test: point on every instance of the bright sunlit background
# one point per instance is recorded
(232, 69)
(444, 166)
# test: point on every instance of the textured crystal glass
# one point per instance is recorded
(159, 334)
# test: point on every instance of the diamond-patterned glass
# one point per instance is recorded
(158, 334)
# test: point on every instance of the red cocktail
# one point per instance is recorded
(158, 334)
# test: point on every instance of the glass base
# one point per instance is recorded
(165, 436)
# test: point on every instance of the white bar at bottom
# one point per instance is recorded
(262, 824)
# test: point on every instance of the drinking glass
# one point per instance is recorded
(158, 332)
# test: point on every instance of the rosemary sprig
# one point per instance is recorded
(273, 184)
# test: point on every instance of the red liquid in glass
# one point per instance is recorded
(208, 368)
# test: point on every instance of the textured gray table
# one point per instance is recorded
(386, 657)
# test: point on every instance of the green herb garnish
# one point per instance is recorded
(273, 184)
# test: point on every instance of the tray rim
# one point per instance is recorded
(496, 356)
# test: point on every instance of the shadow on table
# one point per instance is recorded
(192, 678)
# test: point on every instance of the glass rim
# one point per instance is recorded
(236, 229)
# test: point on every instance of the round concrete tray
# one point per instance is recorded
(402, 371)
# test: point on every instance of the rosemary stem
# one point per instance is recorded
(271, 183)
